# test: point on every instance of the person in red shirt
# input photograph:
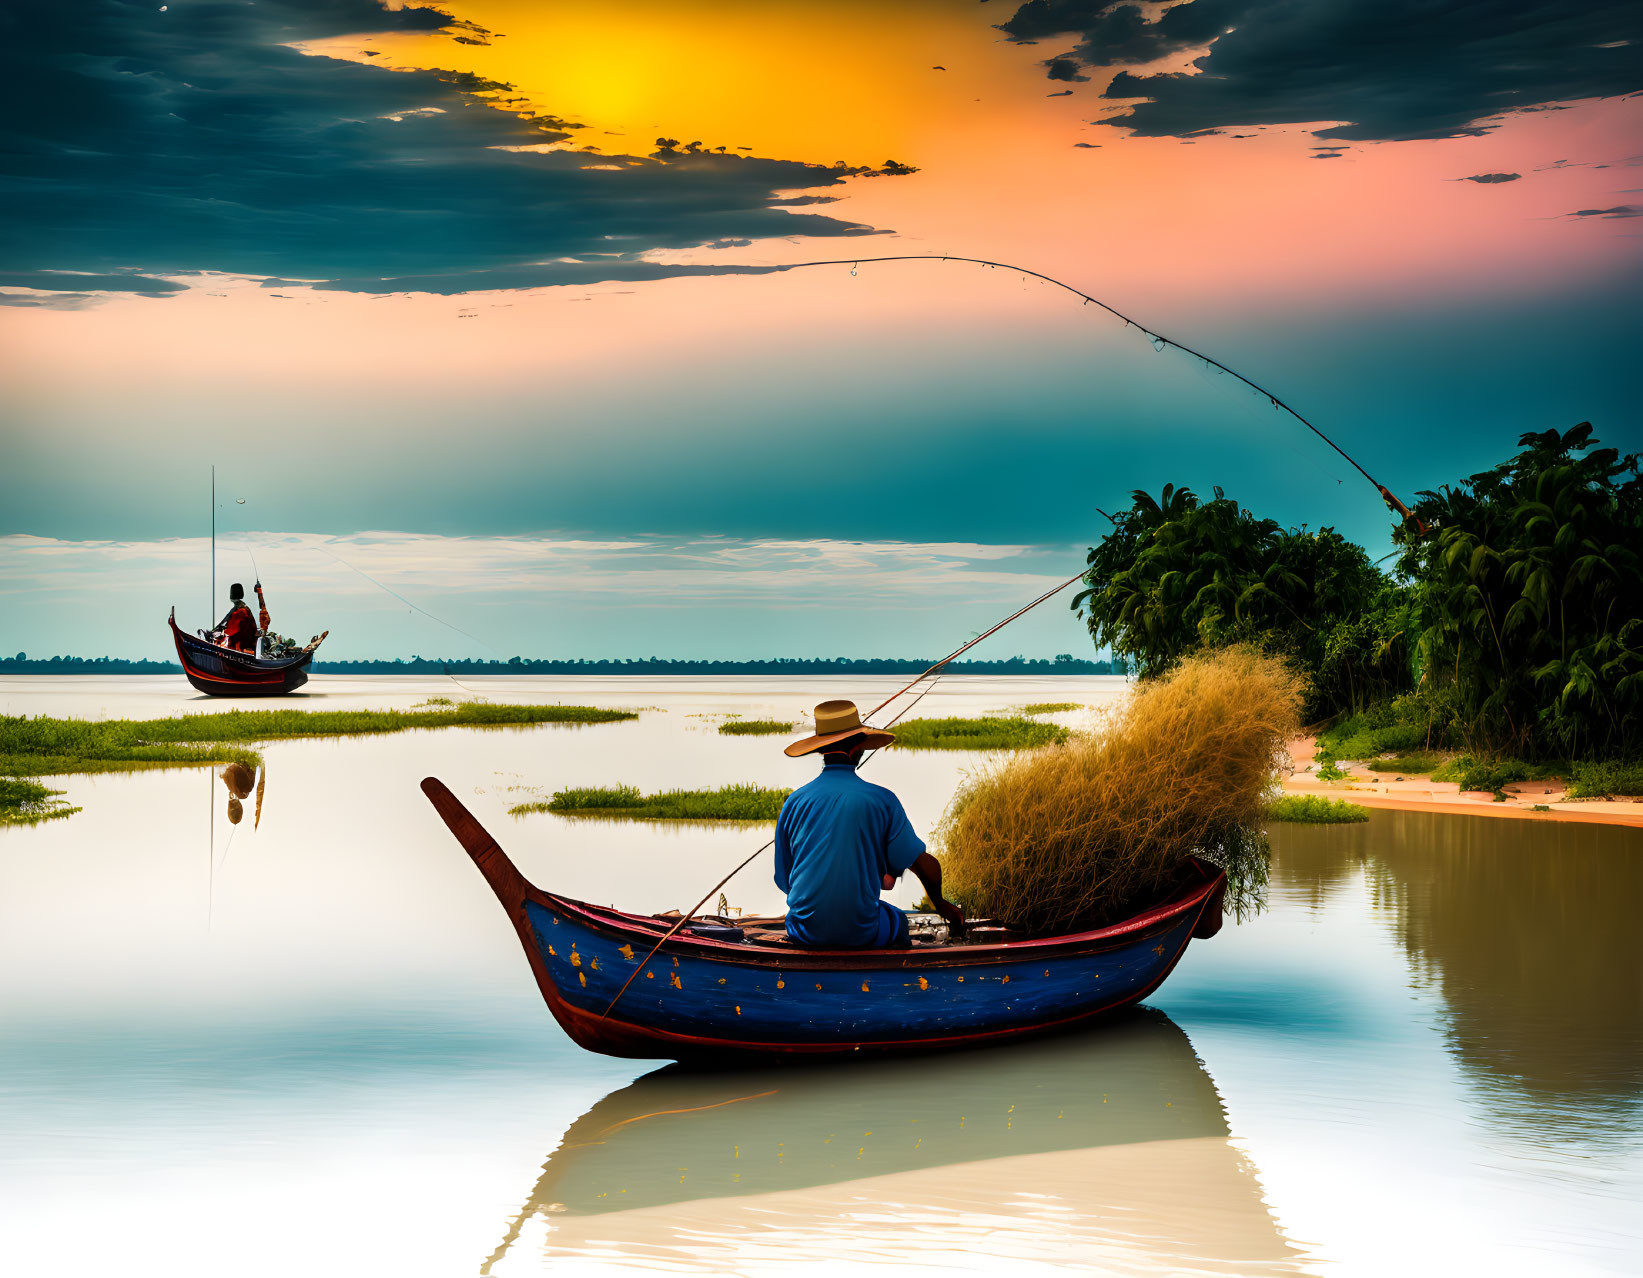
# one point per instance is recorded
(239, 627)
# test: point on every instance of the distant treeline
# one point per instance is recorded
(22, 663)
(1064, 664)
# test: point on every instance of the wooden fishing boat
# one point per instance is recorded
(227, 672)
(716, 997)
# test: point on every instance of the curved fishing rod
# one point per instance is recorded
(1153, 334)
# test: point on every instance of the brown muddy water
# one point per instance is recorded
(306, 1042)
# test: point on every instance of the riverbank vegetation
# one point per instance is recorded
(1314, 809)
(990, 732)
(1414, 764)
(755, 727)
(1508, 631)
(1052, 840)
(627, 802)
(1605, 780)
(1050, 707)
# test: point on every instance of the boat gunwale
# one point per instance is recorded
(252, 663)
(796, 958)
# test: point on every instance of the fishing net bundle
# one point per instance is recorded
(1083, 834)
(275, 646)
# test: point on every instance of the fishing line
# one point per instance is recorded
(465, 688)
(402, 599)
(229, 846)
(1160, 342)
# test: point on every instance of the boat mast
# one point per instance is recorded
(211, 610)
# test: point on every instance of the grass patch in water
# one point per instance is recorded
(1314, 809)
(729, 803)
(24, 802)
(1051, 707)
(988, 733)
(43, 746)
(755, 727)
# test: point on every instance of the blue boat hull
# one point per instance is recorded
(704, 998)
(706, 1002)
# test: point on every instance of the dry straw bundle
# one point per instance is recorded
(1078, 835)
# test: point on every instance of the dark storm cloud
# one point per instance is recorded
(1490, 179)
(1619, 210)
(1387, 69)
(545, 275)
(139, 143)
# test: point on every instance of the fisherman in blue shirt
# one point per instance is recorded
(840, 840)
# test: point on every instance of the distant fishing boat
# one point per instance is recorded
(712, 992)
(227, 672)
(221, 671)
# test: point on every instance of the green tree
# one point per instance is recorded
(1176, 575)
(1529, 599)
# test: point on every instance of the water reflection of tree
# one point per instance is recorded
(1528, 929)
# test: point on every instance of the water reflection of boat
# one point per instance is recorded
(1128, 1102)
(702, 997)
(227, 672)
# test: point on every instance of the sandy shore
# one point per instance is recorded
(1415, 793)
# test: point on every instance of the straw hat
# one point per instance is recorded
(837, 721)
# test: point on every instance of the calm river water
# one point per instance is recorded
(308, 1043)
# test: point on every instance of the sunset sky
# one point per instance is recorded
(476, 299)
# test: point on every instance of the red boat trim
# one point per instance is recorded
(256, 671)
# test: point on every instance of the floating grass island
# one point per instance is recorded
(626, 802)
(1012, 732)
(755, 727)
(1314, 809)
(1051, 707)
(44, 746)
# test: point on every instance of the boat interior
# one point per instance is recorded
(928, 930)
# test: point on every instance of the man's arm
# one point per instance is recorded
(928, 870)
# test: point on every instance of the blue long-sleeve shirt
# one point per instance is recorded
(835, 840)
